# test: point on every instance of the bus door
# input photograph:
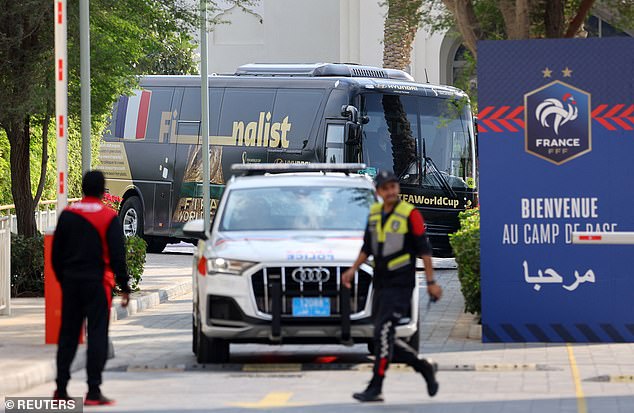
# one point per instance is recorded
(164, 184)
(187, 191)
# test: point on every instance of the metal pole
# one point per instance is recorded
(204, 95)
(84, 55)
(61, 101)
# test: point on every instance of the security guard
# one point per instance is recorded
(395, 236)
(88, 248)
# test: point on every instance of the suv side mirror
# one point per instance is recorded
(195, 229)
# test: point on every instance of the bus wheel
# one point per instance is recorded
(155, 245)
(132, 217)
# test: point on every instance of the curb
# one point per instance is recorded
(45, 371)
(149, 300)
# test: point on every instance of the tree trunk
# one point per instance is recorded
(554, 19)
(577, 22)
(401, 25)
(522, 19)
(19, 140)
(467, 22)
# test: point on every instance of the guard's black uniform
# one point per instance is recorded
(88, 247)
(395, 240)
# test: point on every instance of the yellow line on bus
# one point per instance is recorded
(581, 401)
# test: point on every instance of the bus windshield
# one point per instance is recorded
(426, 141)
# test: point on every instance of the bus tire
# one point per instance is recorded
(155, 245)
(131, 216)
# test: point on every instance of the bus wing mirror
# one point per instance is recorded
(195, 229)
(351, 112)
(352, 132)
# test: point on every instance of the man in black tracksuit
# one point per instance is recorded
(395, 236)
(88, 256)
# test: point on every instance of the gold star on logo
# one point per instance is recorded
(547, 72)
(567, 72)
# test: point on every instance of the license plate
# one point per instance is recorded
(311, 307)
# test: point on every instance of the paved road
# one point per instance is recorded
(155, 371)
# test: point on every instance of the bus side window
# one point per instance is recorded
(334, 143)
(298, 109)
(160, 116)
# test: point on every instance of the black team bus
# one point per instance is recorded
(279, 113)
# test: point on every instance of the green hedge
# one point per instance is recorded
(466, 246)
(27, 266)
(136, 248)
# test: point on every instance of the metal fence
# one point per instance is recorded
(5, 266)
(45, 215)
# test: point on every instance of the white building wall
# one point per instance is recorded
(305, 31)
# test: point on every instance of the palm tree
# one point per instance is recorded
(401, 24)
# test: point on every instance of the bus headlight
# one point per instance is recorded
(225, 266)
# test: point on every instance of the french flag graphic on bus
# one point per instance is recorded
(132, 115)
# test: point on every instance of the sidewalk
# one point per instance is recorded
(25, 361)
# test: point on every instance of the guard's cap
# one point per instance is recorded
(384, 177)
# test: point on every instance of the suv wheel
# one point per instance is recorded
(194, 335)
(211, 350)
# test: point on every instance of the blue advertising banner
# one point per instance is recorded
(556, 155)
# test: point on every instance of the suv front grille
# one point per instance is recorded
(263, 280)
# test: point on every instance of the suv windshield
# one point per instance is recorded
(297, 208)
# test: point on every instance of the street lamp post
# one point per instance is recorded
(84, 55)
(204, 94)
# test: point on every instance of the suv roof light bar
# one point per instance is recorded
(321, 70)
(264, 168)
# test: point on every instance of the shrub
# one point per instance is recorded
(466, 246)
(27, 265)
(135, 248)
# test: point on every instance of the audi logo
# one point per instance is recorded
(310, 275)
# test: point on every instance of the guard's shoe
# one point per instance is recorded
(98, 400)
(369, 395)
(61, 395)
(432, 384)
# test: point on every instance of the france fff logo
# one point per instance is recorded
(557, 119)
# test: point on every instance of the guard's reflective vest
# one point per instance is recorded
(388, 240)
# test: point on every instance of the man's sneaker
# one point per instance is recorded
(97, 400)
(59, 395)
(432, 385)
(369, 395)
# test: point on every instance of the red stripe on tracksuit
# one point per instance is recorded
(382, 366)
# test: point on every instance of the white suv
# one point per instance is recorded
(271, 271)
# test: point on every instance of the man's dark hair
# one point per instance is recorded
(94, 184)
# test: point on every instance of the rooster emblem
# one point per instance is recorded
(552, 106)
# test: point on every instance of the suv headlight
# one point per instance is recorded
(224, 266)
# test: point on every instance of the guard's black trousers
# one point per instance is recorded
(389, 307)
(80, 300)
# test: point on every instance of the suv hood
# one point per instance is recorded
(287, 246)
